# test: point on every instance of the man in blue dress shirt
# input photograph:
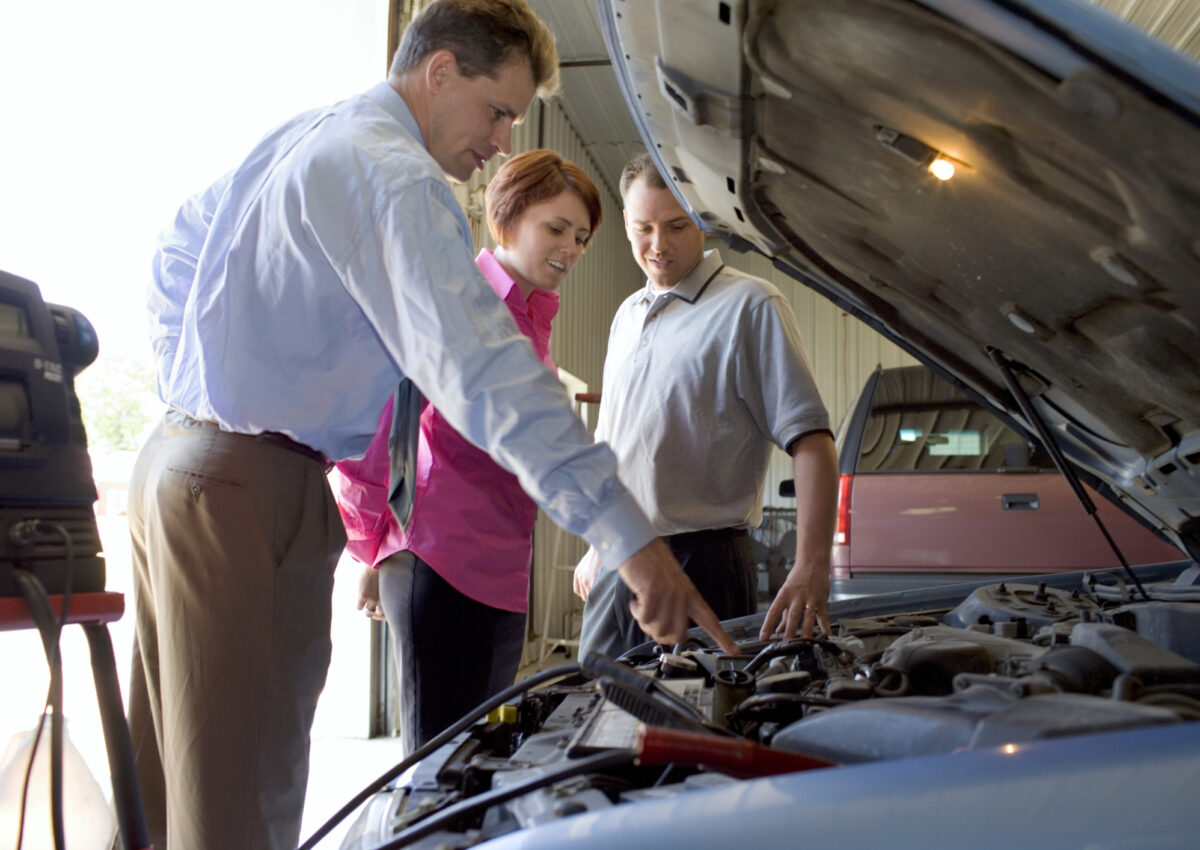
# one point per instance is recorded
(288, 300)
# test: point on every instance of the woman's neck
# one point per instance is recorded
(503, 257)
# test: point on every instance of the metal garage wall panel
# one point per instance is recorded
(597, 285)
(601, 279)
(1174, 22)
(603, 276)
(842, 350)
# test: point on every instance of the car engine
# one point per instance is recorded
(1009, 663)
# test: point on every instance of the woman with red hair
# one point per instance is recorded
(453, 584)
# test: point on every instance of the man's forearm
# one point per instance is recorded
(801, 602)
(815, 471)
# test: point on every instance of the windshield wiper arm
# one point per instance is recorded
(1060, 461)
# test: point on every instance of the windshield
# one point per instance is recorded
(918, 422)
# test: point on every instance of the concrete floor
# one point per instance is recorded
(339, 769)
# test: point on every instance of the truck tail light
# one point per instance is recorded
(841, 534)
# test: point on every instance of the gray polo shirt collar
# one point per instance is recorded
(693, 285)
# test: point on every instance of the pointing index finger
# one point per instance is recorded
(703, 616)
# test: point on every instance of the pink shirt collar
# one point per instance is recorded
(542, 304)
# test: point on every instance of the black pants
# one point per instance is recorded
(451, 652)
(719, 562)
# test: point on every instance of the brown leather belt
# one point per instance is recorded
(707, 535)
(270, 438)
(283, 441)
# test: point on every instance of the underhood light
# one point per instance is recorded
(942, 168)
(918, 153)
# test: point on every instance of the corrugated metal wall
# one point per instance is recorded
(843, 351)
(1175, 22)
(605, 274)
(590, 296)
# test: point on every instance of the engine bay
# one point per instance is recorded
(1011, 663)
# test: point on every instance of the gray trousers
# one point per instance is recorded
(452, 652)
(234, 547)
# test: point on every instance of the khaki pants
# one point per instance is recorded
(234, 546)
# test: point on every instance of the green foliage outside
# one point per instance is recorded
(119, 402)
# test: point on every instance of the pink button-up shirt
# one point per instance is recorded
(471, 521)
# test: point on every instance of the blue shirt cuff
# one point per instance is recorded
(619, 531)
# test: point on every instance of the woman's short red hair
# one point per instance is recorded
(530, 178)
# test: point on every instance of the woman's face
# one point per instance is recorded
(545, 242)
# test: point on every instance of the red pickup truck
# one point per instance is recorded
(935, 489)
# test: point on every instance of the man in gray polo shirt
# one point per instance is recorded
(705, 371)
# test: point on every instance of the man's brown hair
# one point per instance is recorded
(641, 165)
(484, 36)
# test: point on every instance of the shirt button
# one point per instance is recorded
(645, 342)
(605, 545)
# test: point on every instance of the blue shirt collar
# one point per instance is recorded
(394, 105)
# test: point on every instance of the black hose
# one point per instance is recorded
(464, 808)
(25, 532)
(760, 703)
(787, 646)
(443, 737)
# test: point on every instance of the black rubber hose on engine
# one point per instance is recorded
(556, 672)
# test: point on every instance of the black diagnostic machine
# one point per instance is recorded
(45, 471)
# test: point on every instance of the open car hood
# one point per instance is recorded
(1068, 238)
